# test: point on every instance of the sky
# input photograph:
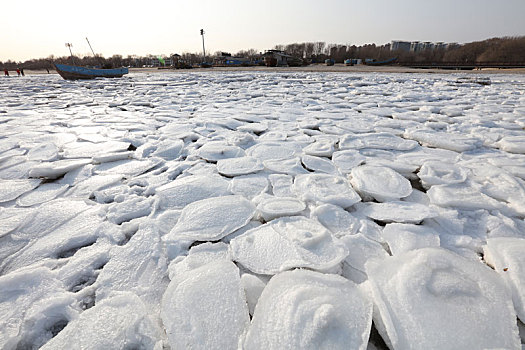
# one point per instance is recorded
(39, 28)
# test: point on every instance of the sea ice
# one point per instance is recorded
(505, 254)
(239, 166)
(205, 308)
(185, 190)
(433, 298)
(404, 237)
(324, 188)
(381, 183)
(211, 219)
(398, 211)
(275, 207)
(286, 243)
(304, 309)
(121, 321)
(12, 189)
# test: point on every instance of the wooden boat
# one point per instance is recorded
(75, 72)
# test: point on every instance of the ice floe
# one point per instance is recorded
(304, 309)
(437, 290)
(213, 218)
(205, 308)
(380, 183)
(286, 243)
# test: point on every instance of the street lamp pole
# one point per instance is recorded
(203, 49)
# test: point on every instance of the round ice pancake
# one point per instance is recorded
(324, 188)
(407, 286)
(381, 183)
(239, 166)
(286, 243)
(213, 218)
(304, 309)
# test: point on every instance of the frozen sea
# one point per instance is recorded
(247, 210)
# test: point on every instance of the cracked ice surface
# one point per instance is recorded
(162, 211)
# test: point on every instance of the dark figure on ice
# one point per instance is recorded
(22, 72)
(18, 71)
(6, 72)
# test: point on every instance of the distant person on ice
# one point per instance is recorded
(6, 72)
(22, 72)
(18, 71)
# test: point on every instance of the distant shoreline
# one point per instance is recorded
(314, 68)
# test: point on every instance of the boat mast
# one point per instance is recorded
(203, 49)
(68, 45)
(94, 55)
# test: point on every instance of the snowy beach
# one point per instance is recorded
(257, 210)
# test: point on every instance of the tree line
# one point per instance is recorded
(508, 50)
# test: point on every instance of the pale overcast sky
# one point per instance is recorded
(37, 28)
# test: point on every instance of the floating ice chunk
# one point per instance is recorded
(185, 190)
(46, 152)
(12, 189)
(89, 149)
(217, 150)
(139, 266)
(440, 173)
(320, 148)
(512, 144)
(381, 183)
(361, 249)
(119, 321)
(286, 243)
(168, 149)
(275, 207)
(53, 170)
(281, 185)
(404, 237)
(213, 218)
(127, 168)
(94, 183)
(453, 142)
(336, 219)
(290, 166)
(62, 241)
(111, 157)
(249, 186)
(239, 166)
(24, 291)
(381, 140)
(505, 254)
(407, 286)
(347, 160)
(304, 309)
(131, 208)
(205, 308)
(398, 211)
(318, 164)
(272, 150)
(198, 256)
(253, 287)
(324, 188)
(462, 196)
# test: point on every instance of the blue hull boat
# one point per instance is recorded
(75, 72)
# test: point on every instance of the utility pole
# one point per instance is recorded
(203, 49)
(68, 45)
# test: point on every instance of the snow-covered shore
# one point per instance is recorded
(284, 210)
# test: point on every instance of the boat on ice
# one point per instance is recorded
(76, 72)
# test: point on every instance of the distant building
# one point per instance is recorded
(418, 46)
(274, 58)
(400, 45)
